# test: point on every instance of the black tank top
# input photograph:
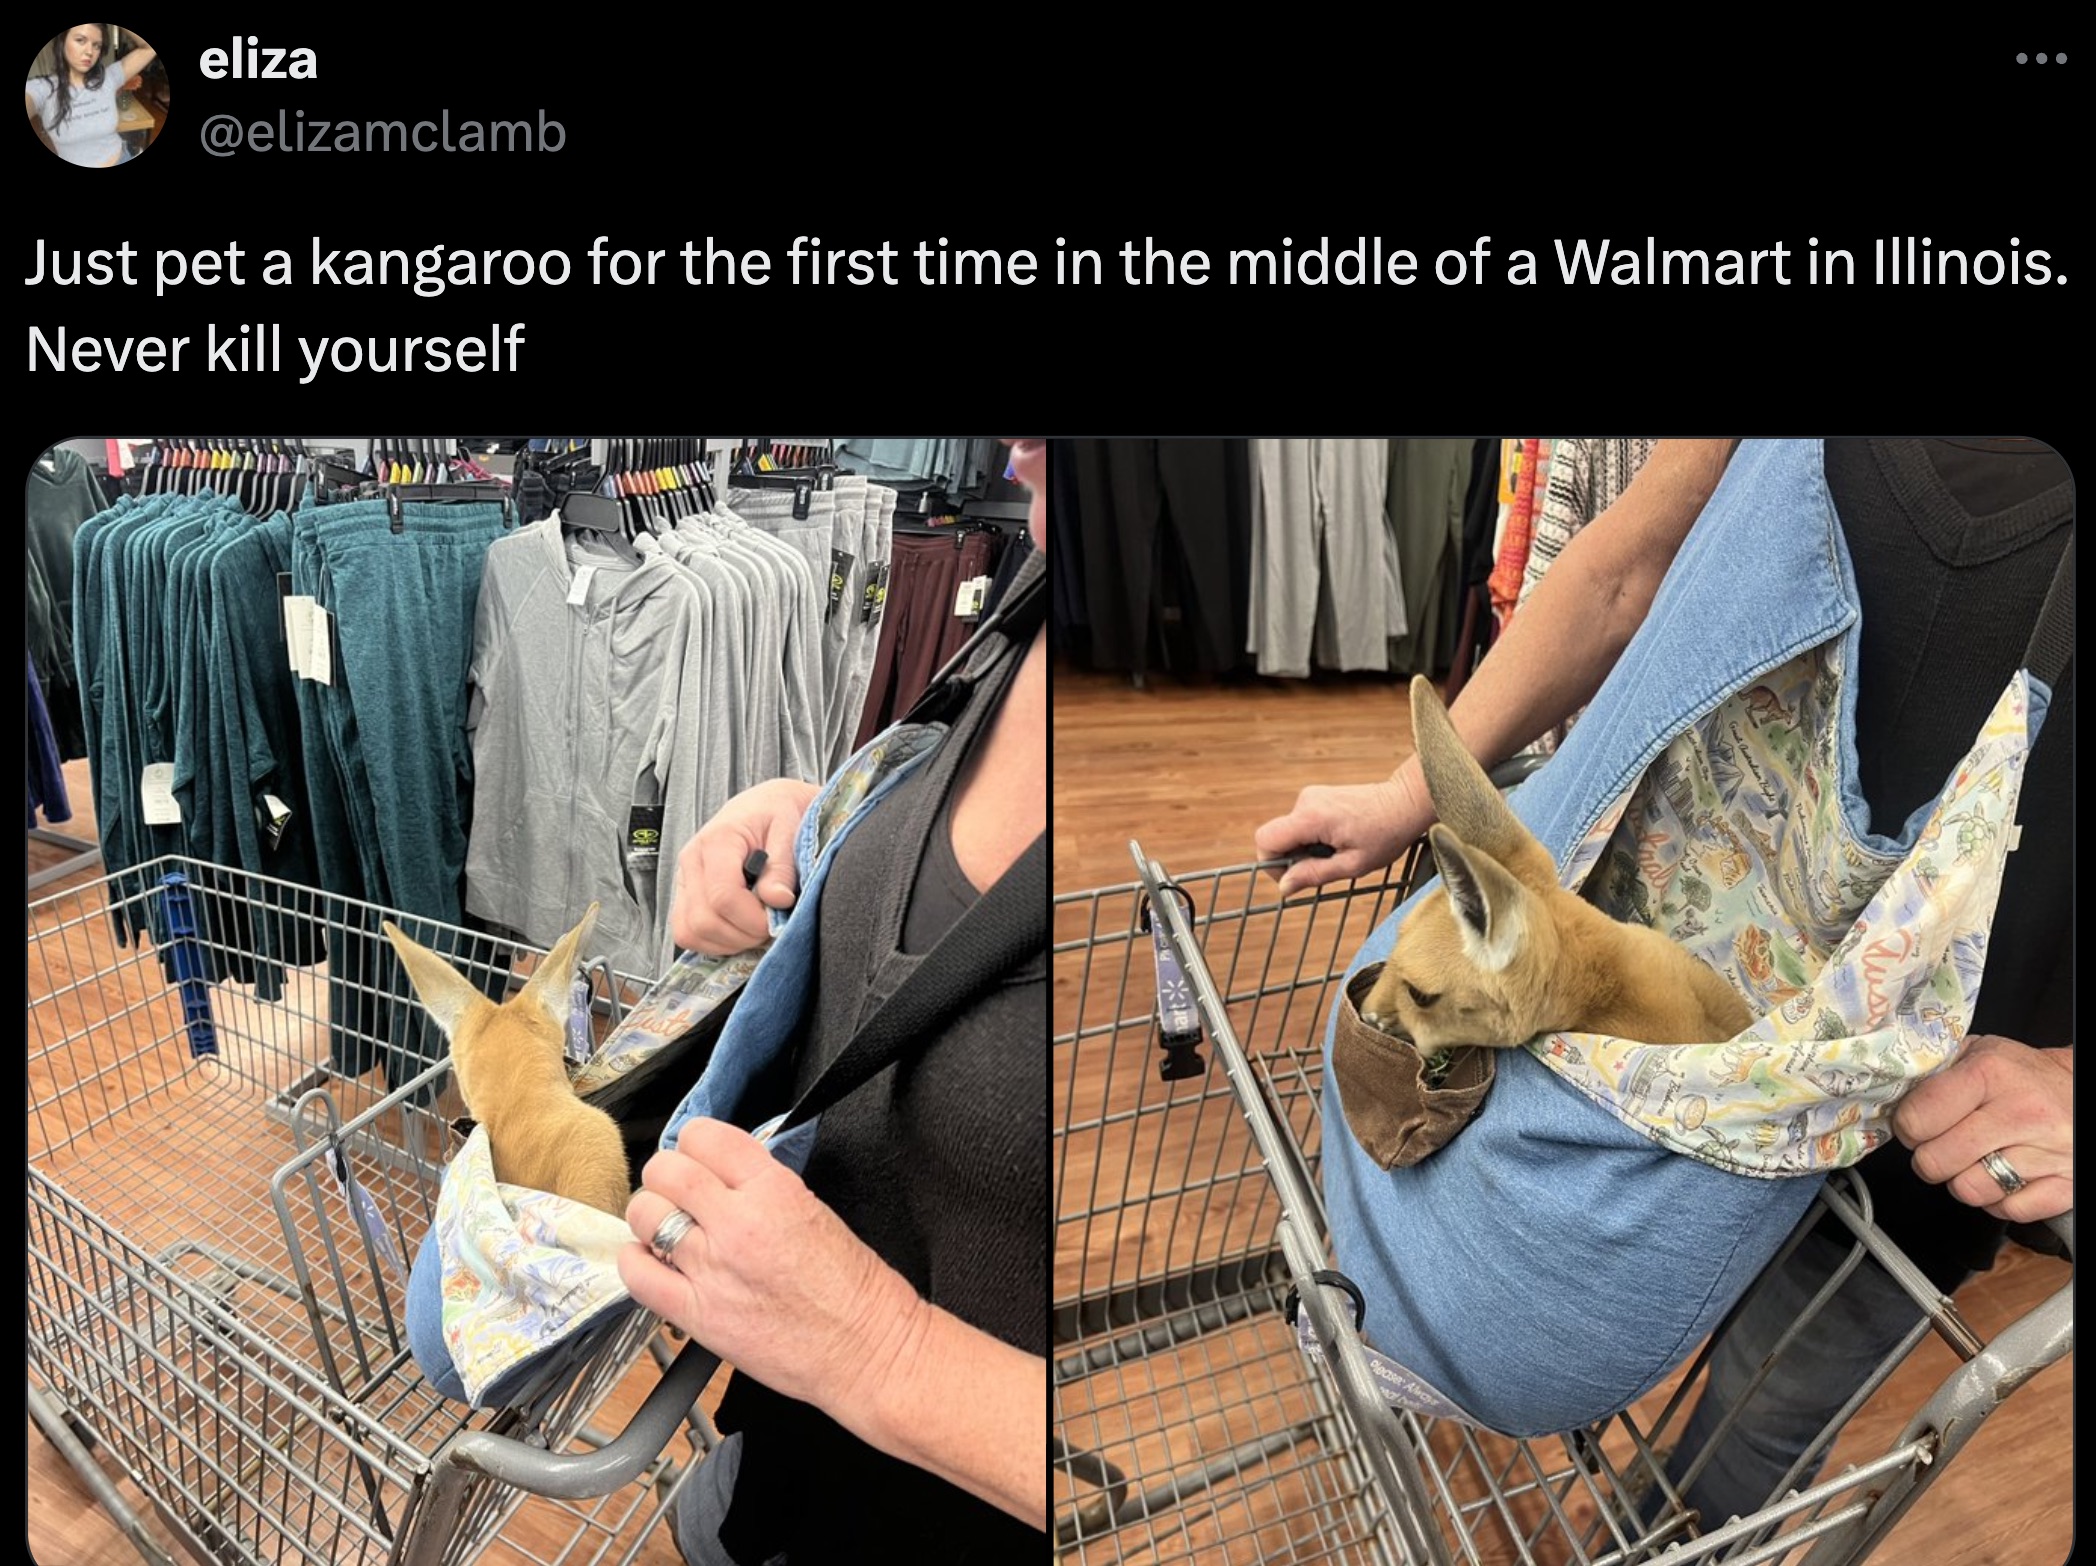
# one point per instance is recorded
(939, 1163)
(1954, 543)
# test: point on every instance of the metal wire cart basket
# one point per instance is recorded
(1191, 1424)
(220, 1223)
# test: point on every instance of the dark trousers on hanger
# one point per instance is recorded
(978, 554)
(923, 576)
(389, 768)
(1165, 521)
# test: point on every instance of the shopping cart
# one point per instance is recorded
(220, 1224)
(1191, 1421)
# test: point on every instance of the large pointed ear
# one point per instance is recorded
(1463, 796)
(445, 992)
(1489, 904)
(551, 985)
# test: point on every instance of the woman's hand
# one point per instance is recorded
(769, 1278)
(711, 910)
(1367, 825)
(2003, 1097)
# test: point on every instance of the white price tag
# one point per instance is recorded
(578, 593)
(320, 652)
(271, 817)
(156, 794)
(298, 629)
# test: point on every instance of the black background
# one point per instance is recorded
(752, 132)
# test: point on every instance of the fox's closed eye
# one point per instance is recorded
(1420, 998)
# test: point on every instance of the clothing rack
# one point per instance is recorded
(762, 455)
(997, 511)
(421, 459)
(957, 527)
(656, 480)
(85, 856)
(258, 471)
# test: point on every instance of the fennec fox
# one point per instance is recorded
(1501, 953)
(512, 1072)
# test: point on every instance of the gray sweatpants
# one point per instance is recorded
(1324, 562)
(813, 536)
(784, 643)
(800, 597)
(876, 526)
(738, 614)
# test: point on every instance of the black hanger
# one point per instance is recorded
(397, 495)
(785, 478)
(596, 513)
(706, 489)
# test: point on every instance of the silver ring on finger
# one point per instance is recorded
(674, 1227)
(2004, 1173)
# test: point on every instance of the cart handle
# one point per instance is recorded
(2035, 1340)
(568, 1476)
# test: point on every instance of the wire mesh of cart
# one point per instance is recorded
(220, 1224)
(1191, 1420)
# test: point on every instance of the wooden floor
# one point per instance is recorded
(1190, 771)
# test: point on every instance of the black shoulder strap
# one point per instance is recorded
(2052, 643)
(1001, 929)
(1016, 620)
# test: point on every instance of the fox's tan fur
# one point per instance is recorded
(1503, 953)
(512, 1072)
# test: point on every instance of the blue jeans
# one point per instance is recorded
(702, 1505)
(1816, 1374)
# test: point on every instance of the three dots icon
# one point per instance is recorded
(2056, 59)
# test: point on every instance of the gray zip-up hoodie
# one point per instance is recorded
(588, 698)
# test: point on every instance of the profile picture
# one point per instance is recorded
(97, 95)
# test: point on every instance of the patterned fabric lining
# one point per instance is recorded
(1861, 964)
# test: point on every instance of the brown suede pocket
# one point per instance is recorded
(1392, 1112)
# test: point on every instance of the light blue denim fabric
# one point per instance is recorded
(766, 1020)
(768, 1015)
(702, 1506)
(1550, 1264)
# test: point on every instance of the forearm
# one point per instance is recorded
(1569, 633)
(964, 1405)
(132, 60)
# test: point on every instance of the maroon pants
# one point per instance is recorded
(919, 630)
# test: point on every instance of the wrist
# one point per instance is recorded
(1403, 803)
(886, 1349)
(962, 1404)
